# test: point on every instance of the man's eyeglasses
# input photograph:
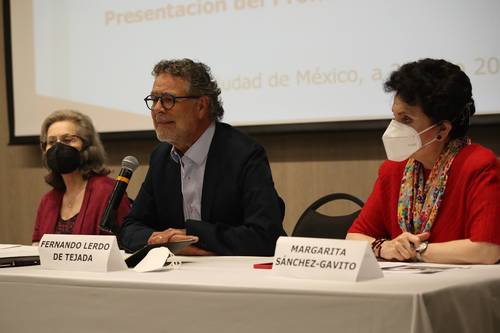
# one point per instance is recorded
(167, 100)
(67, 139)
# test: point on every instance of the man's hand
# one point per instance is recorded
(170, 235)
(178, 235)
(402, 247)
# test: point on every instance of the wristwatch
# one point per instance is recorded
(420, 250)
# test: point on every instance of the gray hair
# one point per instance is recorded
(199, 78)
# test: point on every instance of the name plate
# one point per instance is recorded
(328, 259)
(80, 253)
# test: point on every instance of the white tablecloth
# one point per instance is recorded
(226, 294)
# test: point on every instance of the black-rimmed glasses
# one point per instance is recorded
(167, 100)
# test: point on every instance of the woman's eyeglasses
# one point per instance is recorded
(67, 139)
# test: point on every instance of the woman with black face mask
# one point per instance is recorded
(74, 156)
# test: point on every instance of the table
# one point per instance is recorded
(226, 294)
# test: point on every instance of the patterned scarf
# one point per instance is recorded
(419, 200)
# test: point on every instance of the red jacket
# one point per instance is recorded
(94, 203)
(470, 207)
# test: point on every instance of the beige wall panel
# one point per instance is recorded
(305, 167)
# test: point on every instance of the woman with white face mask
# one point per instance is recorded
(74, 156)
(437, 199)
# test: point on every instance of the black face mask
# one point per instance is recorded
(62, 158)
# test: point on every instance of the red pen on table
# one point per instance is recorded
(263, 265)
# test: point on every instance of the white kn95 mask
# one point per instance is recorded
(401, 141)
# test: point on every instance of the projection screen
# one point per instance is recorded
(278, 62)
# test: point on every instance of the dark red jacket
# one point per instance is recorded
(94, 203)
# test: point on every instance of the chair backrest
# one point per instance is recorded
(314, 224)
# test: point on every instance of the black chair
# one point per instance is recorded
(314, 224)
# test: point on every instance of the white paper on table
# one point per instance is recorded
(417, 268)
(156, 259)
(8, 246)
(18, 251)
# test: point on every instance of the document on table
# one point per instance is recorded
(8, 246)
(11, 250)
(417, 268)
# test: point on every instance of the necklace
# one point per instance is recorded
(70, 201)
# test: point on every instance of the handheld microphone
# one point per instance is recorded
(108, 220)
